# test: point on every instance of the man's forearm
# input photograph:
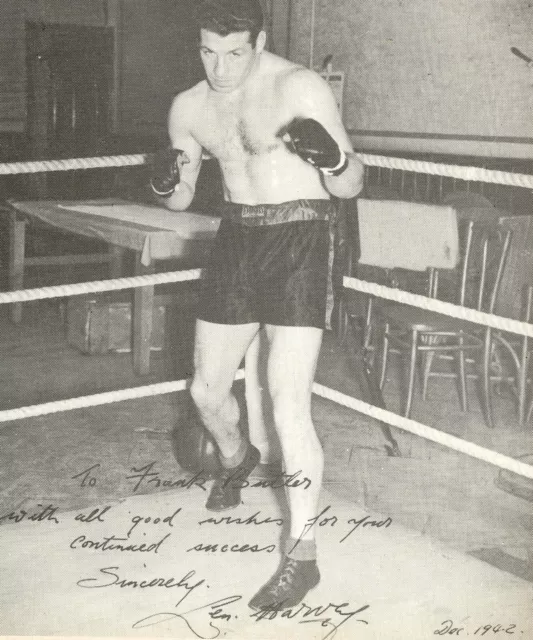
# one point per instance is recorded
(180, 199)
(350, 182)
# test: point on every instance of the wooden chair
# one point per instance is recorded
(414, 330)
(514, 300)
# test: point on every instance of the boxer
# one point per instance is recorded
(276, 132)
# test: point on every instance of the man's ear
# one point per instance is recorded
(261, 41)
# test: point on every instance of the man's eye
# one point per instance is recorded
(235, 54)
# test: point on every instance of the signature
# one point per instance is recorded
(331, 616)
(215, 611)
(306, 614)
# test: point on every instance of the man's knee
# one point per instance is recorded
(291, 412)
(208, 398)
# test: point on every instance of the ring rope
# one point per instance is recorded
(474, 174)
(477, 174)
(464, 173)
(447, 308)
(445, 439)
(68, 164)
(97, 286)
(108, 397)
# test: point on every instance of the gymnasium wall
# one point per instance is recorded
(13, 15)
(437, 74)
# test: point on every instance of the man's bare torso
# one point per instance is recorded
(242, 131)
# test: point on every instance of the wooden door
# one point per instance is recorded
(70, 74)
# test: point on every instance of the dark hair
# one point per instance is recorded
(230, 16)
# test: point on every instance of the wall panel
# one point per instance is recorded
(432, 67)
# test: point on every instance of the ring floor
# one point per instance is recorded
(437, 499)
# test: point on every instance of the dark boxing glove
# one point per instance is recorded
(313, 143)
(165, 172)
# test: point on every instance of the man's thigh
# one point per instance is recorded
(292, 362)
(219, 350)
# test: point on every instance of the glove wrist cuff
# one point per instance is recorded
(340, 168)
(163, 194)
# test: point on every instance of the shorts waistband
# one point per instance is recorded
(268, 214)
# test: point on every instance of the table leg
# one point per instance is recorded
(116, 257)
(17, 239)
(143, 305)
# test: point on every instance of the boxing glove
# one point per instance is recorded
(313, 143)
(165, 172)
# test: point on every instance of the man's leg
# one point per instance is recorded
(259, 406)
(219, 350)
(291, 371)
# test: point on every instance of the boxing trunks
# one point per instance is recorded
(270, 264)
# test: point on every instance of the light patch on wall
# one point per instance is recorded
(440, 67)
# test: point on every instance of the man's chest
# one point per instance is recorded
(231, 129)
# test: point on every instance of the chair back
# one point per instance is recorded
(488, 258)
(517, 274)
(407, 235)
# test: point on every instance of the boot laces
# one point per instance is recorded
(285, 576)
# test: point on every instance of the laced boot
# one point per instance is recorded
(226, 491)
(288, 585)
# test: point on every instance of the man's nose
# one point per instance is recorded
(219, 67)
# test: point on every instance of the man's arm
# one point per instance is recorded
(310, 97)
(184, 173)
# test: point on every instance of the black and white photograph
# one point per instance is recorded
(266, 319)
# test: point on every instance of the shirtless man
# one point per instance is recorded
(275, 129)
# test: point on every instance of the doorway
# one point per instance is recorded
(69, 93)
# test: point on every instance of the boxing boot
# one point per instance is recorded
(310, 140)
(288, 586)
(226, 490)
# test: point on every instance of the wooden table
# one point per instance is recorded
(153, 233)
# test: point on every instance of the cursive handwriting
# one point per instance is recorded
(108, 544)
(366, 521)
(282, 480)
(253, 519)
(150, 520)
(235, 548)
(448, 628)
(216, 610)
(323, 519)
(307, 614)
(86, 477)
(111, 578)
(146, 474)
(96, 515)
(45, 514)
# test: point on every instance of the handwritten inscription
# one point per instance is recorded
(280, 481)
(42, 514)
(235, 548)
(201, 625)
(200, 619)
(143, 520)
(331, 520)
(253, 519)
(449, 628)
(87, 477)
(306, 614)
(111, 578)
(147, 476)
(112, 543)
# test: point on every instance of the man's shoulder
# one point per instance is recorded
(189, 100)
(298, 78)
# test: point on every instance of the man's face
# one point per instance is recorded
(228, 60)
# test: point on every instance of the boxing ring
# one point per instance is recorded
(407, 578)
(396, 295)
